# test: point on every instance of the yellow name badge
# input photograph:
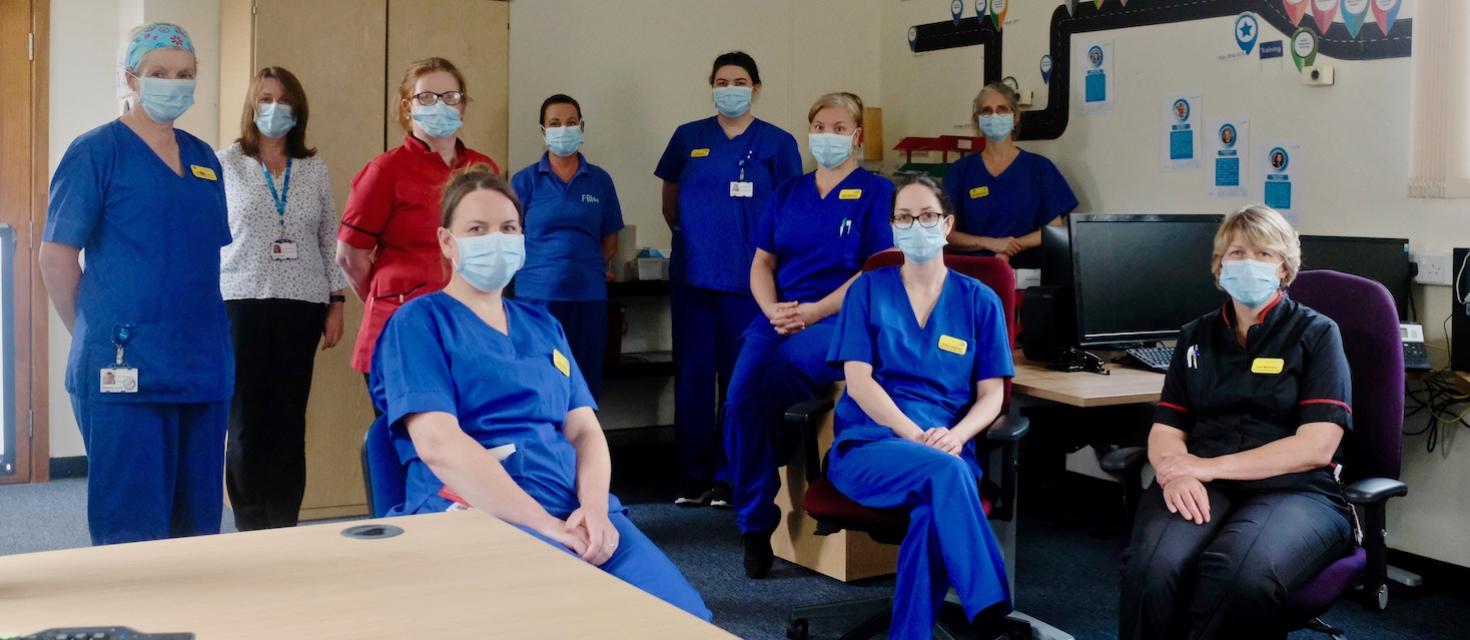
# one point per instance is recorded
(979, 192)
(699, 153)
(1268, 366)
(953, 345)
(202, 172)
(562, 363)
(849, 194)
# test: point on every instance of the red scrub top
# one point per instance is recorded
(393, 207)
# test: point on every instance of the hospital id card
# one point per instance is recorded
(119, 380)
(740, 189)
(283, 250)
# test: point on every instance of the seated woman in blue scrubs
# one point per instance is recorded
(572, 223)
(1004, 195)
(151, 368)
(924, 351)
(812, 240)
(485, 404)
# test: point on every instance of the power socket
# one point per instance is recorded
(1434, 269)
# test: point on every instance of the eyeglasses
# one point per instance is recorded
(927, 219)
(429, 98)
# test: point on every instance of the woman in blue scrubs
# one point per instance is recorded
(572, 223)
(1004, 195)
(814, 237)
(485, 405)
(718, 174)
(924, 352)
(151, 369)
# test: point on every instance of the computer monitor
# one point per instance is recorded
(1056, 256)
(1139, 278)
(1385, 260)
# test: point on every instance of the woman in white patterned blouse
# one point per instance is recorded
(283, 292)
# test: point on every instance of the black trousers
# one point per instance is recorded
(265, 461)
(1228, 577)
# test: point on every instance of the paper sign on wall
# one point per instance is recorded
(1179, 143)
(1046, 68)
(1354, 13)
(956, 10)
(1282, 164)
(1303, 48)
(1096, 60)
(1295, 9)
(1247, 29)
(1385, 12)
(1229, 142)
(998, 10)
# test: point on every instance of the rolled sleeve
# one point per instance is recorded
(1326, 386)
(369, 205)
(411, 368)
(853, 341)
(1174, 408)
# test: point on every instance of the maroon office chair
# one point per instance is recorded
(835, 512)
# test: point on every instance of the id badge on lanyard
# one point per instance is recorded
(741, 188)
(283, 248)
(119, 378)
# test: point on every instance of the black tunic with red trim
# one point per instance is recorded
(1230, 398)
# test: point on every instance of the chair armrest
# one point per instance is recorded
(1123, 459)
(1008, 429)
(1375, 490)
(809, 411)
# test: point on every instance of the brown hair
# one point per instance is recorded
(1006, 93)
(418, 69)
(249, 139)
(904, 180)
(472, 178)
(1265, 228)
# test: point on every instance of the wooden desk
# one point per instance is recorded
(1125, 385)
(461, 575)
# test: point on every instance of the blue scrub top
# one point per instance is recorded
(714, 244)
(821, 242)
(919, 367)
(437, 355)
(151, 240)
(1025, 197)
(565, 224)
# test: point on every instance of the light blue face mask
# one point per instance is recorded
(830, 149)
(1250, 282)
(997, 126)
(733, 102)
(164, 99)
(439, 120)
(564, 141)
(274, 119)
(488, 262)
(919, 243)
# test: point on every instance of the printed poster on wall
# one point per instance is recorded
(1229, 154)
(1096, 62)
(1282, 163)
(1179, 142)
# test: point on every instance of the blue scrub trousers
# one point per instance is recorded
(948, 543)
(585, 323)
(707, 327)
(637, 561)
(154, 470)
(772, 373)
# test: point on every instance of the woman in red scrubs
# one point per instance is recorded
(387, 244)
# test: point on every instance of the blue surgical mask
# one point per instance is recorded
(1250, 282)
(488, 262)
(274, 119)
(164, 99)
(733, 102)
(997, 126)
(439, 120)
(564, 141)
(830, 149)
(919, 243)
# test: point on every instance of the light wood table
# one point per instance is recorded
(460, 575)
(1123, 385)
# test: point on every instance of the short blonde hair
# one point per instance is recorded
(1265, 228)
(849, 101)
(1006, 93)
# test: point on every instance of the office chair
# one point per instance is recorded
(835, 512)
(383, 476)
(1368, 320)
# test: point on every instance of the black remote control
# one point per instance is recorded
(104, 633)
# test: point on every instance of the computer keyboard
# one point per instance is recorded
(1156, 358)
(104, 633)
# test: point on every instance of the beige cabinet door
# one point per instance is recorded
(475, 36)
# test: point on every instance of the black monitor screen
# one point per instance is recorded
(1385, 260)
(1056, 256)
(1139, 278)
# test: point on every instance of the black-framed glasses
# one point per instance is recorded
(429, 98)
(927, 219)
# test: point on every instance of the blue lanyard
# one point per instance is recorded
(279, 197)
